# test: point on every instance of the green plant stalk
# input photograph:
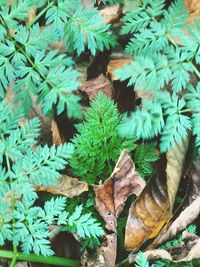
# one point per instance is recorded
(52, 260)
(185, 110)
(195, 69)
(12, 194)
(21, 49)
(13, 261)
(39, 15)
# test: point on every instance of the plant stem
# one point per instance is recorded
(186, 110)
(39, 15)
(195, 69)
(13, 261)
(12, 195)
(40, 259)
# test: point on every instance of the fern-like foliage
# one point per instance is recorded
(140, 14)
(144, 156)
(23, 164)
(83, 224)
(141, 261)
(87, 24)
(98, 144)
(164, 55)
(171, 120)
(28, 61)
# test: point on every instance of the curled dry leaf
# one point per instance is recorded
(153, 208)
(56, 135)
(92, 87)
(110, 200)
(149, 254)
(67, 186)
(175, 161)
(186, 217)
(104, 256)
(148, 213)
(111, 14)
(194, 253)
(157, 254)
(111, 196)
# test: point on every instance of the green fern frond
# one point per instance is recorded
(193, 98)
(149, 72)
(192, 229)
(42, 166)
(18, 10)
(21, 138)
(7, 74)
(34, 39)
(87, 25)
(57, 90)
(177, 125)
(141, 14)
(98, 144)
(193, 104)
(84, 225)
(144, 123)
(57, 15)
(175, 17)
(22, 223)
(54, 85)
(145, 155)
(8, 118)
(141, 261)
(2, 33)
(195, 129)
(190, 43)
(43, 61)
(164, 115)
(175, 131)
(153, 39)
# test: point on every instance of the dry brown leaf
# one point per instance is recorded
(175, 161)
(110, 200)
(152, 255)
(111, 14)
(104, 256)
(194, 175)
(148, 214)
(194, 253)
(67, 186)
(92, 87)
(186, 217)
(149, 254)
(58, 45)
(87, 3)
(82, 67)
(31, 15)
(111, 196)
(56, 135)
(193, 5)
(114, 65)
